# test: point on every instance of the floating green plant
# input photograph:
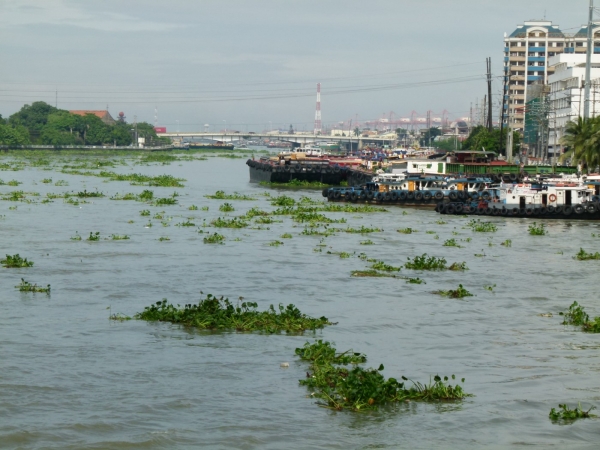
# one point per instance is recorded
(187, 223)
(164, 238)
(15, 261)
(77, 237)
(380, 265)
(234, 222)
(119, 237)
(415, 281)
(47, 180)
(406, 231)
(218, 313)
(86, 194)
(286, 236)
(275, 243)
(61, 183)
(459, 292)
(367, 242)
(537, 230)
(94, 236)
(144, 212)
(585, 256)
(193, 208)
(482, 227)
(165, 201)
(576, 316)
(129, 196)
(26, 286)
(456, 266)
(283, 200)
(507, 243)
(310, 231)
(371, 273)
(226, 207)
(14, 183)
(451, 243)
(146, 195)
(489, 287)
(214, 238)
(425, 262)
(440, 222)
(221, 195)
(361, 230)
(354, 388)
(565, 414)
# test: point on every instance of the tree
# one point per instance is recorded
(429, 136)
(33, 117)
(10, 135)
(481, 138)
(356, 131)
(583, 141)
(54, 136)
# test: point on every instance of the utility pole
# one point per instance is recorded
(484, 112)
(489, 82)
(588, 62)
(502, 103)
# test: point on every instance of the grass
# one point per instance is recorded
(459, 292)
(340, 383)
(380, 265)
(214, 238)
(361, 230)
(283, 200)
(451, 243)
(286, 236)
(585, 256)
(15, 261)
(221, 195)
(94, 236)
(145, 212)
(367, 242)
(565, 414)
(119, 237)
(425, 262)
(537, 230)
(86, 194)
(370, 273)
(576, 316)
(187, 223)
(193, 208)
(26, 286)
(165, 201)
(47, 180)
(479, 226)
(218, 313)
(406, 231)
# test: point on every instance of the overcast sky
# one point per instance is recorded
(254, 64)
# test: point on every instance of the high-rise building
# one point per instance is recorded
(526, 53)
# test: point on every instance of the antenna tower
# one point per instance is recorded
(318, 111)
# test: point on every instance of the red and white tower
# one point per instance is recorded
(318, 111)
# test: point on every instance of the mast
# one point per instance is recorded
(588, 63)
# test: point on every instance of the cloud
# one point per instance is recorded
(61, 13)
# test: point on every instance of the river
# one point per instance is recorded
(72, 379)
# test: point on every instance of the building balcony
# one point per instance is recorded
(536, 49)
(517, 78)
(517, 58)
(537, 58)
(517, 68)
(534, 77)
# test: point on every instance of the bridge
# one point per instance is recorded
(299, 139)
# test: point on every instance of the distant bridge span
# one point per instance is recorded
(296, 138)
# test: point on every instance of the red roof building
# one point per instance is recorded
(102, 114)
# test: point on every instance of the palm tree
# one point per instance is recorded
(583, 139)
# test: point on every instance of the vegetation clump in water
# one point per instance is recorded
(425, 262)
(26, 286)
(582, 255)
(565, 414)
(221, 195)
(459, 292)
(16, 261)
(482, 227)
(537, 230)
(354, 388)
(218, 313)
(214, 238)
(576, 316)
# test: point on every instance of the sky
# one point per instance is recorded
(253, 65)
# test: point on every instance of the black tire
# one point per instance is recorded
(488, 211)
(485, 195)
(475, 196)
(453, 196)
(410, 196)
(480, 211)
(325, 192)
(438, 207)
(394, 196)
(449, 208)
(379, 197)
(353, 196)
(558, 210)
(543, 211)
(387, 197)
(513, 176)
(336, 169)
(550, 209)
(522, 212)
(427, 196)
(592, 208)
(579, 209)
(370, 195)
(496, 212)
(529, 212)
(286, 168)
(461, 195)
(536, 211)
(439, 195)
(504, 211)
(514, 211)
(402, 196)
(567, 210)
(337, 195)
(472, 209)
(458, 208)
(419, 196)
(363, 196)
(331, 195)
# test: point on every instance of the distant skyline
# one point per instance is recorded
(252, 65)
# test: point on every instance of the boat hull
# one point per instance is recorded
(279, 174)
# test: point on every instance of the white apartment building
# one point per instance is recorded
(527, 52)
(567, 92)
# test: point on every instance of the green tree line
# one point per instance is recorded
(43, 124)
(582, 139)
